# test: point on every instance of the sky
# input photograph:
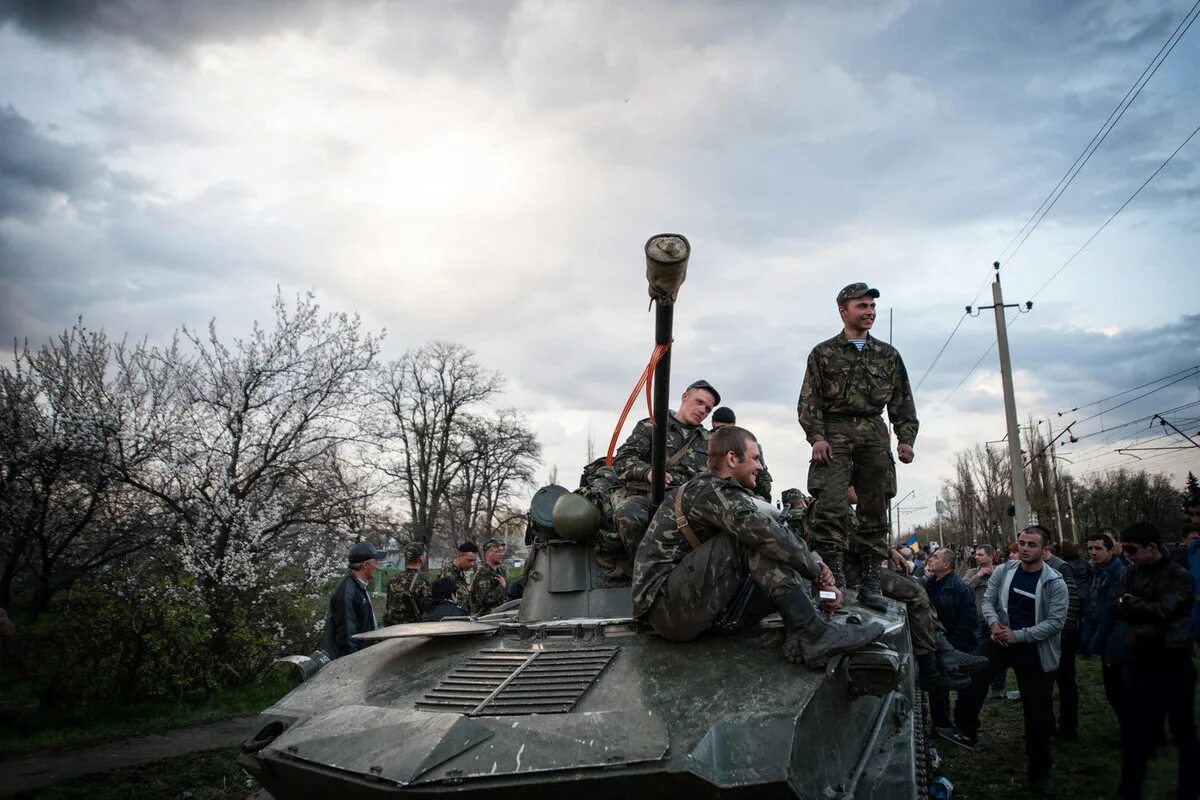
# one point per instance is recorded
(488, 172)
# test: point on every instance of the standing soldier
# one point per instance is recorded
(459, 572)
(848, 381)
(488, 587)
(409, 593)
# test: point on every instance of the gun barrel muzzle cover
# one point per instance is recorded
(666, 266)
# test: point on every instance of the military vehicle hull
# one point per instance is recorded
(590, 707)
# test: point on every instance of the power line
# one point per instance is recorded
(1115, 213)
(1098, 138)
(1134, 399)
(1192, 368)
(946, 344)
(1135, 421)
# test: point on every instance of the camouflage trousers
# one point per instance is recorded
(701, 587)
(921, 617)
(862, 458)
(631, 514)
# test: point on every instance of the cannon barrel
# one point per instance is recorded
(666, 270)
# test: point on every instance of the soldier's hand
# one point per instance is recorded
(830, 606)
(503, 582)
(898, 561)
(905, 452)
(825, 579)
(650, 477)
(822, 453)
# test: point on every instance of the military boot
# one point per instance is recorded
(933, 675)
(869, 594)
(956, 662)
(814, 640)
(836, 561)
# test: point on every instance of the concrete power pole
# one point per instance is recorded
(1058, 517)
(1016, 464)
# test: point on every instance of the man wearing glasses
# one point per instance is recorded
(1154, 599)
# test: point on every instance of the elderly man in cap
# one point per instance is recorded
(724, 417)
(461, 570)
(488, 586)
(848, 381)
(350, 609)
(687, 457)
(409, 593)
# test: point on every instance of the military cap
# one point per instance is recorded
(413, 551)
(468, 547)
(490, 543)
(724, 415)
(364, 551)
(855, 291)
(703, 384)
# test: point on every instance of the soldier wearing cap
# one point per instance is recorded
(409, 593)
(488, 585)
(687, 457)
(460, 571)
(724, 417)
(349, 610)
(848, 382)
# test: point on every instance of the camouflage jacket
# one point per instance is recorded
(486, 590)
(712, 505)
(462, 585)
(839, 381)
(409, 595)
(632, 459)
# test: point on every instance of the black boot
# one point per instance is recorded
(931, 675)
(956, 662)
(869, 594)
(813, 639)
(836, 561)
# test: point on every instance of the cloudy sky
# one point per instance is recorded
(487, 172)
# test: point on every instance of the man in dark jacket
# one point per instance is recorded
(1154, 599)
(1102, 635)
(1064, 676)
(350, 609)
(955, 605)
(445, 602)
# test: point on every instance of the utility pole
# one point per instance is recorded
(1016, 464)
(1058, 518)
(1071, 511)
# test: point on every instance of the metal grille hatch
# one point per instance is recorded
(500, 682)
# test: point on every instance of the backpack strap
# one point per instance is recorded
(681, 521)
(683, 451)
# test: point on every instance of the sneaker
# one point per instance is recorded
(953, 734)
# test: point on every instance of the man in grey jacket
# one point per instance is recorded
(1025, 607)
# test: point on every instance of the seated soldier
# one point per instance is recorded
(408, 592)
(687, 455)
(709, 536)
(445, 602)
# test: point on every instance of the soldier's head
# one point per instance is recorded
(444, 591)
(733, 453)
(856, 304)
(415, 555)
(468, 553)
(723, 417)
(698, 400)
(493, 552)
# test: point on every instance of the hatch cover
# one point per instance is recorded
(496, 683)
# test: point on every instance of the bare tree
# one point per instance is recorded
(423, 397)
(497, 456)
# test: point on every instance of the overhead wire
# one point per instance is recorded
(1193, 368)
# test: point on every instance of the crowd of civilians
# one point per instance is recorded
(1133, 604)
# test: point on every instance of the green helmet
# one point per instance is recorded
(575, 518)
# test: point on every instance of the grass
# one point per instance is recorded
(1084, 769)
(209, 775)
(35, 730)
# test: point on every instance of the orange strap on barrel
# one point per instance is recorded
(647, 380)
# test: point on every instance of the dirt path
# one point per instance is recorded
(35, 772)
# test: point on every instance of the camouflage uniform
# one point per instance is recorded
(843, 395)
(687, 448)
(462, 585)
(682, 591)
(598, 484)
(408, 591)
(486, 589)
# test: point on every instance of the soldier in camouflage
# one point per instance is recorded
(489, 588)
(709, 537)
(409, 593)
(460, 570)
(724, 416)
(687, 456)
(848, 382)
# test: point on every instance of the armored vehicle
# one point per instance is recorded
(567, 695)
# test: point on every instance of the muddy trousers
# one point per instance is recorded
(700, 588)
(861, 458)
(1162, 685)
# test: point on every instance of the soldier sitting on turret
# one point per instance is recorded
(705, 540)
(409, 593)
(687, 456)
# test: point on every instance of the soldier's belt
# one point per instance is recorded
(850, 417)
